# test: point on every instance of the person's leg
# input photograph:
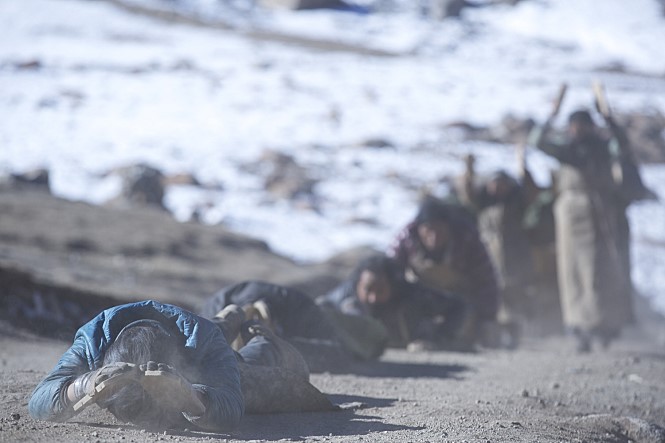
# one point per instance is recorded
(605, 336)
(455, 310)
(363, 337)
(582, 340)
(260, 351)
(307, 320)
(267, 349)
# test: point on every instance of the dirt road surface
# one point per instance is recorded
(53, 277)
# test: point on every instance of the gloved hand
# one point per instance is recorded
(87, 383)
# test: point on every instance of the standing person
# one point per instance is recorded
(499, 202)
(591, 226)
(441, 249)
(413, 315)
(513, 224)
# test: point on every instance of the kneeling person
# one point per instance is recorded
(412, 314)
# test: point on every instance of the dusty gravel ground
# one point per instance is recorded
(542, 392)
(56, 276)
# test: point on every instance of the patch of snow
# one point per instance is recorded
(115, 88)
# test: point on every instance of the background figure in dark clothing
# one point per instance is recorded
(318, 334)
(499, 202)
(512, 217)
(595, 183)
(293, 313)
(411, 313)
(442, 249)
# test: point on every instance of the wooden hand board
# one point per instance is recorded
(171, 390)
(601, 99)
(166, 388)
(104, 388)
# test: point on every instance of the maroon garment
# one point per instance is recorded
(466, 255)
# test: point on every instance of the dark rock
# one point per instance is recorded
(284, 177)
(142, 185)
(297, 5)
(31, 65)
(634, 429)
(441, 9)
(45, 308)
(36, 179)
(377, 143)
(81, 245)
(511, 129)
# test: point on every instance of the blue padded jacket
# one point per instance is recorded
(203, 346)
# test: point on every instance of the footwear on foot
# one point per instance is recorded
(229, 320)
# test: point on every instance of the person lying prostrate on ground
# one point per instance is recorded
(414, 315)
(292, 312)
(326, 338)
(274, 375)
(125, 341)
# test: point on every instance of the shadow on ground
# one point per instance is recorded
(306, 425)
(407, 370)
(295, 426)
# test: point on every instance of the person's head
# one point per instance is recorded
(500, 185)
(140, 342)
(580, 125)
(433, 224)
(374, 280)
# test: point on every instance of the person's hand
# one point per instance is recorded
(469, 163)
(556, 106)
(155, 366)
(112, 370)
(170, 390)
(602, 109)
(112, 376)
(520, 155)
(600, 101)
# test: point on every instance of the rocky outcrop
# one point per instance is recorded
(36, 179)
(284, 178)
(297, 5)
(61, 261)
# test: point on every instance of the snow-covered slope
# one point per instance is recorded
(114, 88)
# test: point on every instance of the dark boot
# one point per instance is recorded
(582, 341)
